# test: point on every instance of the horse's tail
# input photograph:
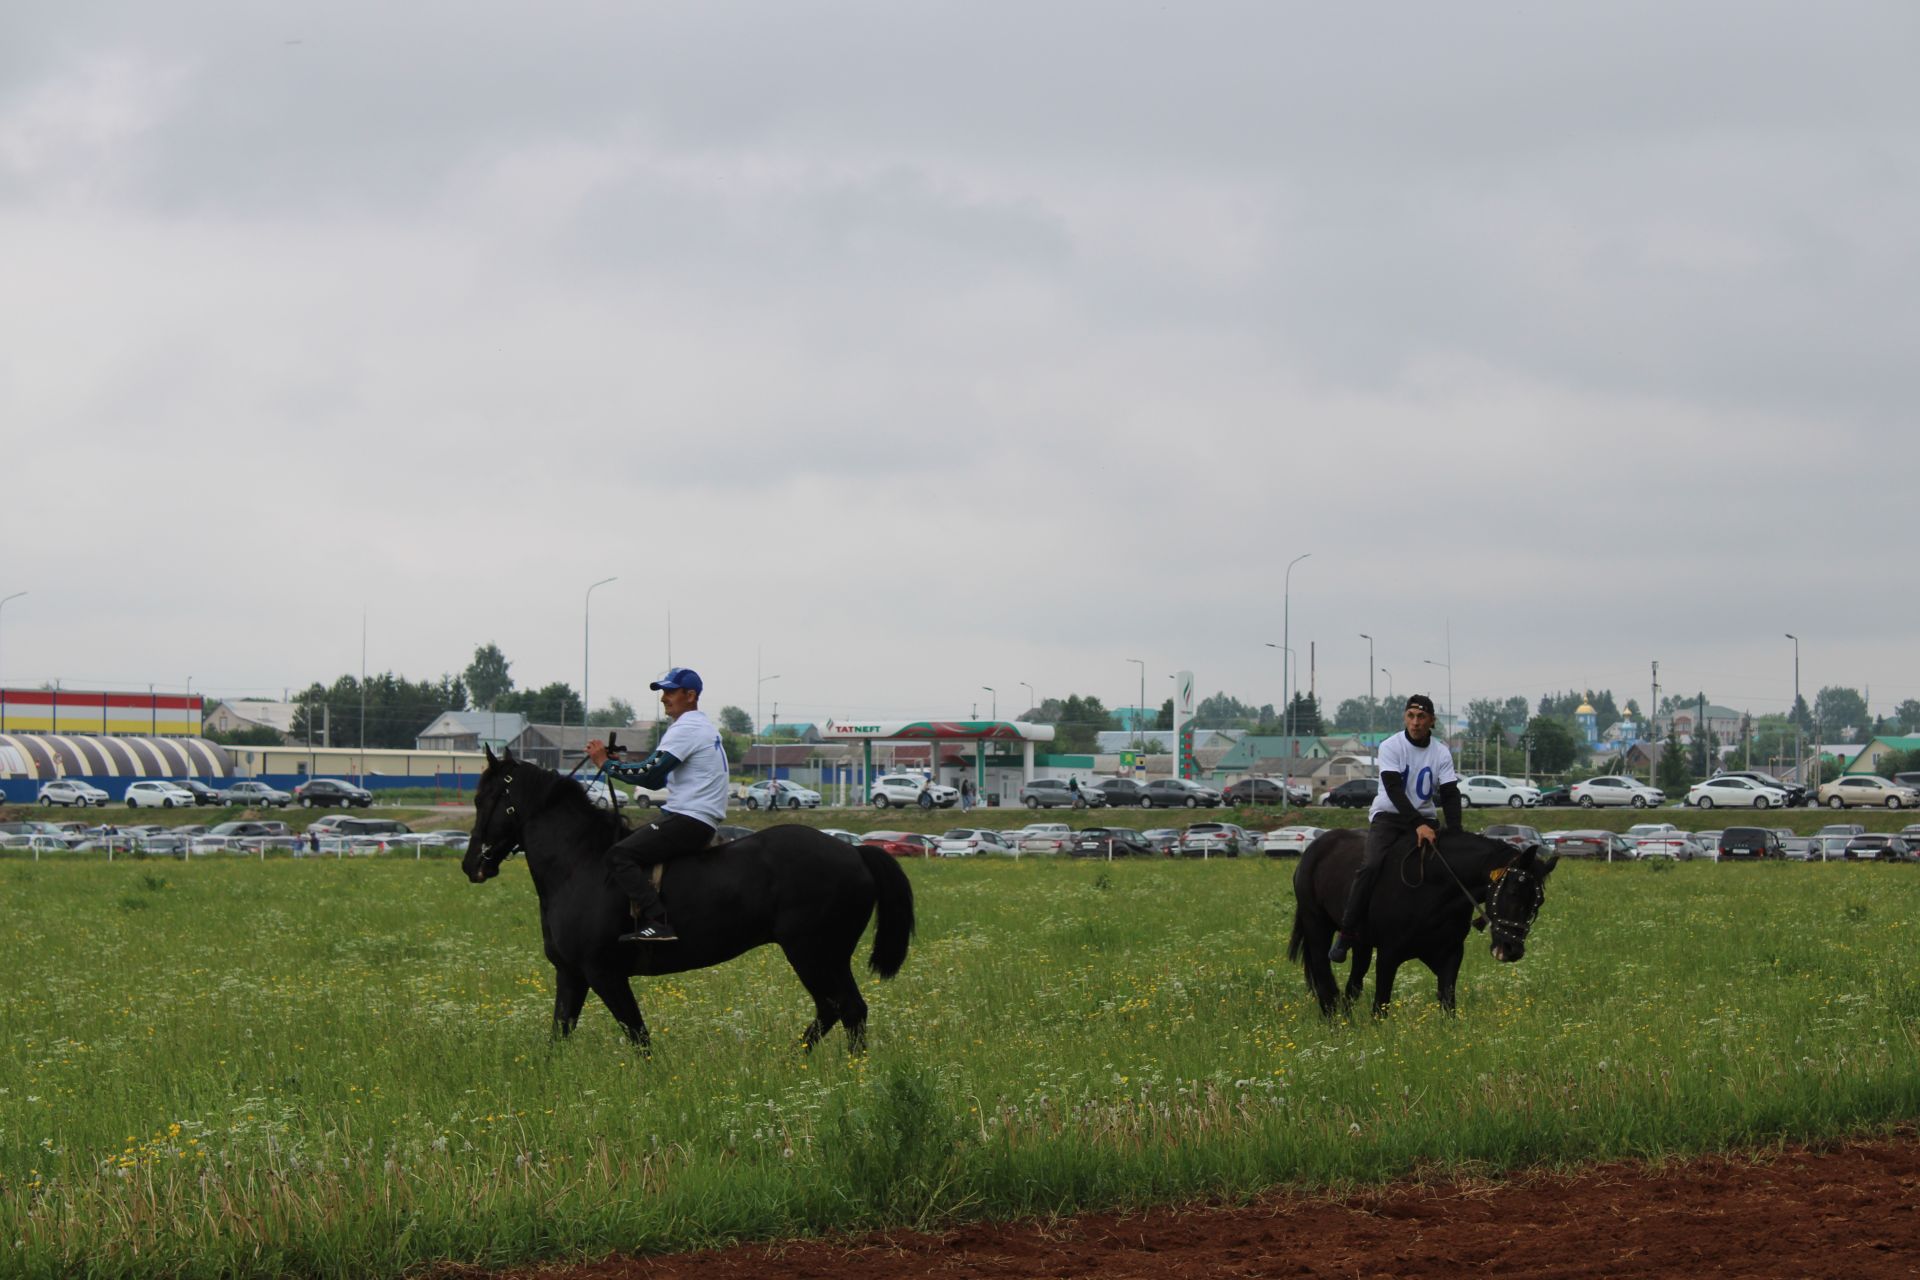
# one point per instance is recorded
(894, 894)
(1299, 930)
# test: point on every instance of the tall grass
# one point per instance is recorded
(343, 1069)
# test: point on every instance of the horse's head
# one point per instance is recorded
(1513, 901)
(496, 824)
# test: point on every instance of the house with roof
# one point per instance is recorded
(1724, 723)
(473, 730)
(1159, 741)
(1868, 758)
(798, 731)
(242, 714)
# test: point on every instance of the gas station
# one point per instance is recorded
(980, 732)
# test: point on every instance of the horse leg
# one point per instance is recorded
(1357, 976)
(617, 994)
(569, 995)
(1320, 973)
(1448, 971)
(1383, 983)
(829, 984)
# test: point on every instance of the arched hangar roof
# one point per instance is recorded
(45, 756)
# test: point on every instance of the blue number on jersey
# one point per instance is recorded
(1423, 785)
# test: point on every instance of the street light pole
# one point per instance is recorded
(1389, 675)
(1030, 695)
(1371, 708)
(1798, 775)
(1286, 638)
(1448, 667)
(3, 604)
(996, 701)
(586, 655)
(1141, 713)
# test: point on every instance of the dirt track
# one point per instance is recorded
(1849, 1211)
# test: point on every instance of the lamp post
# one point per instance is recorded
(3, 604)
(1030, 696)
(1141, 714)
(1449, 670)
(1371, 708)
(995, 713)
(1286, 638)
(1798, 776)
(586, 655)
(1286, 705)
(1389, 675)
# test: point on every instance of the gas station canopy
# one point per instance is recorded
(939, 730)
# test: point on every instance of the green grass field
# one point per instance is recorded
(343, 1068)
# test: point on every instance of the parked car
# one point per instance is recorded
(71, 791)
(1616, 790)
(1052, 793)
(965, 842)
(202, 793)
(1265, 791)
(1354, 793)
(1880, 848)
(1842, 829)
(1608, 846)
(1908, 780)
(1729, 792)
(902, 844)
(318, 793)
(1860, 789)
(1160, 839)
(1492, 790)
(346, 826)
(1827, 848)
(1175, 793)
(1042, 837)
(602, 795)
(1556, 797)
(1750, 843)
(249, 830)
(1677, 845)
(844, 837)
(258, 795)
(778, 793)
(1120, 792)
(1641, 830)
(1289, 841)
(1216, 840)
(158, 795)
(904, 789)
(1796, 793)
(1516, 835)
(1110, 842)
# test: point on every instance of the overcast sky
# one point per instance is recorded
(927, 346)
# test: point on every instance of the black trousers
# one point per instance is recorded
(630, 862)
(1385, 833)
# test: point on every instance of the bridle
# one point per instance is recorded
(1504, 930)
(489, 860)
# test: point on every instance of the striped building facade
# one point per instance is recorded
(70, 711)
(42, 757)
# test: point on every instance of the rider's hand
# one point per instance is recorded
(597, 752)
(1424, 835)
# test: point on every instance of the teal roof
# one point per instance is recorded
(1260, 747)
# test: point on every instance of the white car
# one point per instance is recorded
(1735, 793)
(966, 842)
(158, 795)
(1490, 789)
(600, 793)
(1289, 841)
(904, 789)
(1617, 791)
(65, 791)
(781, 794)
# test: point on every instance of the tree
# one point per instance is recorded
(487, 675)
(556, 703)
(395, 709)
(1304, 717)
(734, 720)
(1802, 716)
(256, 735)
(1483, 719)
(617, 714)
(1907, 714)
(1672, 774)
(1553, 746)
(1079, 719)
(1836, 711)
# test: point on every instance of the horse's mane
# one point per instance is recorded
(559, 792)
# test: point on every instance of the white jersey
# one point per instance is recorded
(1426, 770)
(699, 781)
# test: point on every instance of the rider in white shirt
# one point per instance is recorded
(1415, 767)
(692, 761)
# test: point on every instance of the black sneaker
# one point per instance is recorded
(1338, 951)
(661, 932)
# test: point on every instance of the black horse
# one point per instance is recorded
(790, 885)
(1422, 908)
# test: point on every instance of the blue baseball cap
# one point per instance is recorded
(679, 678)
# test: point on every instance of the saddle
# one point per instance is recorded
(660, 868)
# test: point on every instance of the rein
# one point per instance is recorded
(1503, 931)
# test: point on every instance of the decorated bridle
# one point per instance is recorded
(1510, 920)
(489, 860)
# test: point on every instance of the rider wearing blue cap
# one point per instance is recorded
(692, 762)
